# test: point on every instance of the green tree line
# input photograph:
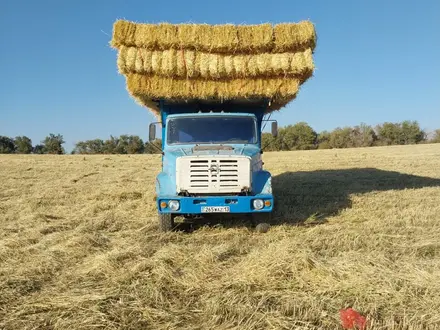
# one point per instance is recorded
(124, 144)
(53, 144)
(300, 136)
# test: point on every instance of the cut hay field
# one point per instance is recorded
(79, 246)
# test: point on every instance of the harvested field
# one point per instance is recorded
(79, 246)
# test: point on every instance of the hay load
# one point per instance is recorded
(184, 62)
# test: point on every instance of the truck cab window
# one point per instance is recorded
(212, 129)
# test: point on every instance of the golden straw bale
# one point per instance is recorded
(124, 34)
(156, 36)
(171, 88)
(122, 59)
(252, 66)
(186, 63)
(153, 105)
(239, 64)
(180, 63)
(227, 38)
(204, 65)
(263, 62)
(166, 36)
(139, 63)
(156, 61)
(229, 66)
(280, 64)
(221, 70)
(143, 35)
(191, 62)
(169, 63)
(146, 56)
(291, 37)
(188, 36)
(214, 66)
(222, 38)
(255, 38)
(302, 63)
(131, 59)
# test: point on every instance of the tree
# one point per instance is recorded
(299, 137)
(52, 144)
(436, 137)
(23, 145)
(388, 133)
(38, 149)
(124, 144)
(154, 147)
(323, 140)
(363, 136)
(7, 145)
(95, 146)
(407, 132)
(411, 133)
(135, 145)
(341, 138)
(269, 142)
(110, 145)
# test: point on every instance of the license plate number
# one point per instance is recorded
(215, 209)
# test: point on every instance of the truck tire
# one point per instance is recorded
(166, 222)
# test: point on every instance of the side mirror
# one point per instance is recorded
(274, 129)
(152, 132)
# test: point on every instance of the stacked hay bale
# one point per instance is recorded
(184, 62)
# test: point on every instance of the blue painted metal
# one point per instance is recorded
(166, 180)
(237, 204)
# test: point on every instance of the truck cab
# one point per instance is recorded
(211, 162)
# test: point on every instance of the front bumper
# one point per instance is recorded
(194, 205)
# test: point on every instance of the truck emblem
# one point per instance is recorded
(214, 168)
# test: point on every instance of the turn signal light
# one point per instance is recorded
(267, 203)
(163, 205)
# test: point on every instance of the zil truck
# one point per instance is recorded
(211, 161)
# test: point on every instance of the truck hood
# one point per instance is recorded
(245, 150)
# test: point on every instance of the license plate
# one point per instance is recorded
(215, 209)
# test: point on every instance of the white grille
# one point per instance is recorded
(215, 174)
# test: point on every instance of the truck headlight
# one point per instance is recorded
(258, 204)
(173, 205)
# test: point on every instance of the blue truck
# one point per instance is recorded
(211, 161)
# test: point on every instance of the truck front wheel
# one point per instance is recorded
(166, 222)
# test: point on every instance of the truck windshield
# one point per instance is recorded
(217, 129)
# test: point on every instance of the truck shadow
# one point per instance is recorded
(309, 198)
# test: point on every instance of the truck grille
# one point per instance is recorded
(213, 174)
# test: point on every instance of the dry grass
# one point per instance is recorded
(227, 38)
(79, 246)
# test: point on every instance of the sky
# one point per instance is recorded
(375, 61)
